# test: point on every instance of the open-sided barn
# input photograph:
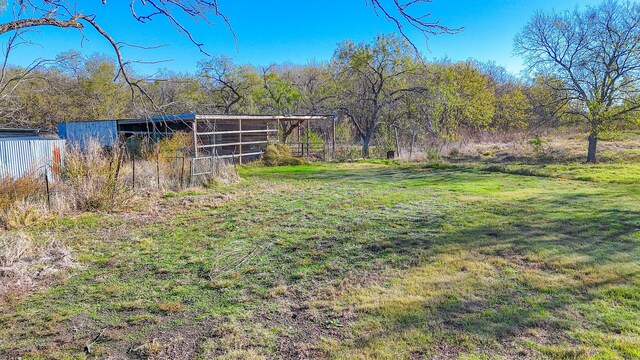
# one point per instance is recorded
(236, 137)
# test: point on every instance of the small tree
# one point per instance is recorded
(458, 96)
(595, 54)
(372, 78)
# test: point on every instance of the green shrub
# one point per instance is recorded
(538, 145)
(279, 155)
(433, 154)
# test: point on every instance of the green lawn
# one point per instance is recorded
(364, 260)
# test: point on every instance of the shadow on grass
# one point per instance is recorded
(518, 269)
(474, 274)
(548, 262)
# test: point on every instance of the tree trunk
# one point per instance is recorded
(365, 146)
(413, 141)
(591, 154)
(366, 140)
(395, 138)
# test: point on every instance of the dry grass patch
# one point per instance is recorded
(26, 264)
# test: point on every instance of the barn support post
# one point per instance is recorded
(333, 140)
(214, 151)
(240, 130)
(195, 137)
(306, 128)
(299, 141)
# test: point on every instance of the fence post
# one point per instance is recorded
(307, 129)
(133, 171)
(46, 182)
(182, 174)
(158, 163)
(118, 165)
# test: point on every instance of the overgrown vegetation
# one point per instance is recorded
(97, 179)
(91, 177)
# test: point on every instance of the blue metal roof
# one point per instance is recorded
(174, 117)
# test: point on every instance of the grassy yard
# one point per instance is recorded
(363, 260)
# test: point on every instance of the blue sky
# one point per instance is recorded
(299, 31)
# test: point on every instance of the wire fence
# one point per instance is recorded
(97, 179)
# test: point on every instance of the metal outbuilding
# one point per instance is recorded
(237, 137)
(22, 153)
(80, 132)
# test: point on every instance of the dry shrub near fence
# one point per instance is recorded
(23, 213)
(22, 201)
(16, 190)
(91, 178)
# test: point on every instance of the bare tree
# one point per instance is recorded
(229, 85)
(28, 15)
(595, 54)
(411, 13)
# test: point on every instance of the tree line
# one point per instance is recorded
(381, 88)
(584, 70)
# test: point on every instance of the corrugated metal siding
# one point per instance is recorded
(106, 132)
(21, 156)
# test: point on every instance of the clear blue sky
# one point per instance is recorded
(297, 31)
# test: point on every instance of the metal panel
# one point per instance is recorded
(20, 157)
(13, 132)
(80, 132)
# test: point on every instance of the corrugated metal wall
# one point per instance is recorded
(19, 157)
(105, 131)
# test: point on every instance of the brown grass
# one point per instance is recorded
(14, 190)
(91, 177)
(26, 264)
